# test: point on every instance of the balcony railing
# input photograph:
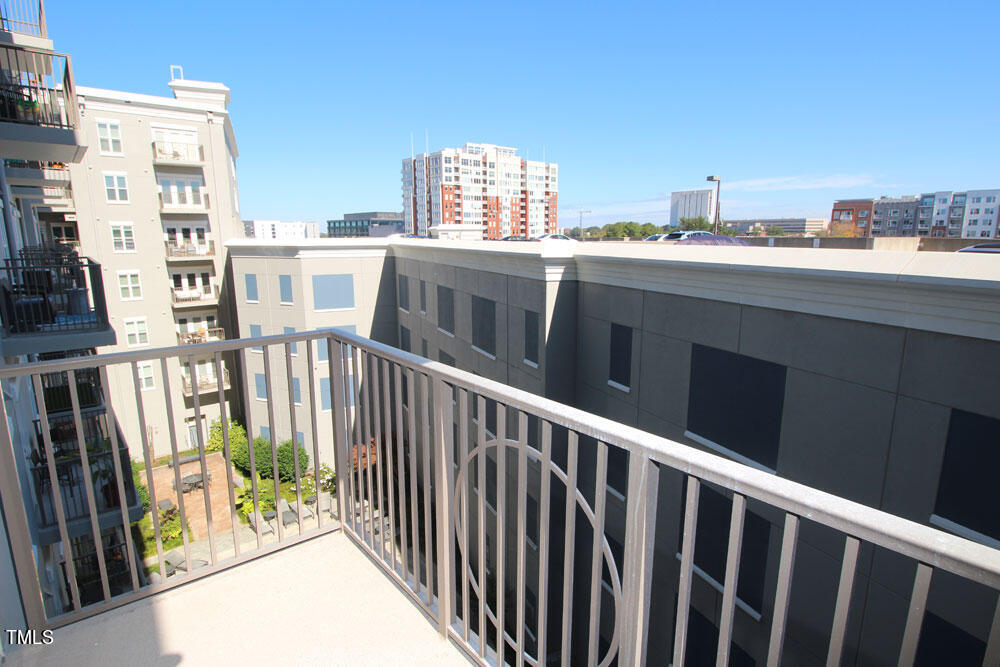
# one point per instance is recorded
(23, 16)
(194, 296)
(37, 88)
(171, 204)
(172, 152)
(201, 336)
(48, 293)
(205, 383)
(526, 529)
(190, 250)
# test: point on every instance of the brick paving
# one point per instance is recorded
(194, 501)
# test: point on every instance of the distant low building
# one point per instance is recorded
(373, 223)
(276, 229)
(788, 225)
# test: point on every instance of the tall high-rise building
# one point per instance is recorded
(692, 204)
(479, 191)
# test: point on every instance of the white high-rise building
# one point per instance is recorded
(479, 191)
(692, 204)
(280, 231)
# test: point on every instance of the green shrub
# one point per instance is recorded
(262, 459)
(140, 489)
(237, 436)
(265, 497)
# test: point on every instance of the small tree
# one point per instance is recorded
(237, 436)
(648, 229)
(699, 224)
(842, 230)
(774, 230)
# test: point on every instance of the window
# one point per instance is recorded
(326, 402)
(531, 337)
(255, 332)
(720, 384)
(265, 432)
(322, 347)
(109, 136)
(404, 339)
(261, 385)
(136, 333)
(968, 474)
(333, 292)
(446, 358)
(285, 287)
(129, 286)
(293, 346)
(296, 391)
(251, 283)
(116, 187)
(404, 292)
(423, 348)
(423, 296)
(446, 309)
(146, 380)
(122, 237)
(620, 359)
(484, 325)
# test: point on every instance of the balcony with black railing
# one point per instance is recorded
(51, 300)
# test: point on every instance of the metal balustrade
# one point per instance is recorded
(37, 88)
(23, 16)
(52, 293)
(175, 152)
(523, 527)
(203, 250)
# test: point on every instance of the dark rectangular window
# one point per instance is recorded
(446, 309)
(620, 364)
(251, 284)
(736, 401)
(423, 296)
(404, 339)
(423, 348)
(446, 358)
(531, 336)
(484, 324)
(968, 473)
(285, 287)
(404, 292)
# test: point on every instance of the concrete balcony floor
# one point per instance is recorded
(321, 602)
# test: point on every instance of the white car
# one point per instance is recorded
(679, 236)
(553, 237)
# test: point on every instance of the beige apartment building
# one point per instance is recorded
(153, 201)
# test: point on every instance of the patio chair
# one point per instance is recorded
(306, 512)
(265, 527)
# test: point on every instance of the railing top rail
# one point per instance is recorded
(923, 543)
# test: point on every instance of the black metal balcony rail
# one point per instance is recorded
(525, 528)
(23, 16)
(52, 292)
(55, 388)
(36, 88)
(72, 482)
(62, 431)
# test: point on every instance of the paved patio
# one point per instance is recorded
(320, 602)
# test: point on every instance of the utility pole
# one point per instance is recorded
(580, 227)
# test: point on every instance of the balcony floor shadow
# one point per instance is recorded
(319, 602)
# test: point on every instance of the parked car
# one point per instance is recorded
(678, 236)
(513, 238)
(982, 247)
(553, 237)
(655, 237)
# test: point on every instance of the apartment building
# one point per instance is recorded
(155, 199)
(788, 225)
(278, 230)
(373, 223)
(692, 204)
(982, 214)
(895, 216)
(853, 215)
(479, 191)
(898, 424)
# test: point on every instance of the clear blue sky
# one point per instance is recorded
(793, 103)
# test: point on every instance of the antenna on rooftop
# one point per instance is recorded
(177, 68)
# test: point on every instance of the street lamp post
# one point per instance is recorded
(718, 186)
(580, 226)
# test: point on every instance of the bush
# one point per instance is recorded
(262, 458)
(237, 436)
(140, 489)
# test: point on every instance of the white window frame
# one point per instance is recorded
(134, 322)
(144, 366)
(115, 175)
(122, 225)
(131, 287)
(109, 122)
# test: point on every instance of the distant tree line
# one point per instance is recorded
(633, 229)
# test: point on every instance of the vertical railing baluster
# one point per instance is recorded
(640, 539)
(227, 454)
(350, 410)
(404, 551)
(481, 523)
(522, 527)
(178, 485)
(314, 431)
(293, 425)
(338, 414)
(915, 614)
(119, 475)
(411, 408)
(993, 642)
(463, 462)
(572, 452)
(687, 570)
(390, 467)
(200, 444)
(545, 501)
(782, 595)
(363, 387)
(732, 578)
(375, 384)
(361, 450)
(427, 446)
(55, 486)
(844, 589)
(597, 552)
(444, 451)
(501, 529)
(273, 436)
(88, 485)
(258, 515)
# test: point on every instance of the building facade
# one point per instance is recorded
(278, 230)
(479, 191)
(787, 225)
(982, 214)
(852, 216)
(973, 214)
(692, 204)
(895, 216)
(374, 223)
